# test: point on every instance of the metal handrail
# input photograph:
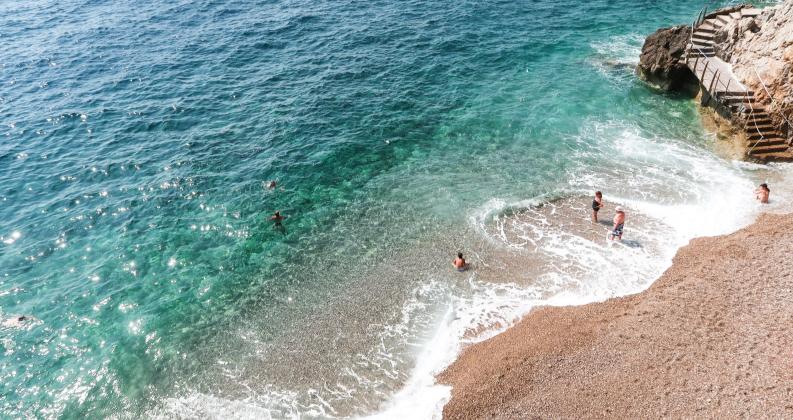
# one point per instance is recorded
(754, 120)
(771, 98)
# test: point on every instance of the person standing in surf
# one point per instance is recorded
(762, 192)
(619, 224)
(597, 204)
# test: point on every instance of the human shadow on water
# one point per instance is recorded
(631, 243)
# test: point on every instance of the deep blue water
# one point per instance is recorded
(138, 140)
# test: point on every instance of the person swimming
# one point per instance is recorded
(597, 204)
(761, 193)
(277, 218)
(16, 321)
(459, 262)
(619, 224)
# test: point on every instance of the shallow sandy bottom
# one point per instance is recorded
(712, 337)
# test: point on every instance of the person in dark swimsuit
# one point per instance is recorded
(597, 204)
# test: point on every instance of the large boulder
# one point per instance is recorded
(662, 62)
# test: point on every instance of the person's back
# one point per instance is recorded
(762, 193)
(459, 262)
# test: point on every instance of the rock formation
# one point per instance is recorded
(758, 46)
(760, 51)
(662, 60)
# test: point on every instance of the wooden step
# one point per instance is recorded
(714, 23)
(736, 99)
(767, 142)
(695, 53)
(701, 40)
(775, 157)
(702, 35)
(702, 48)
(763, 128)
(740, 107)
(768, 149)
(758, 114)
(736, 15)
(765, 137)
(705, 28)
(737, 93)
(706, 41)
(754, 135)
(758, 121)
(750, 12)
(725, 19)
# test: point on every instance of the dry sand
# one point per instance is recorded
(713, 337)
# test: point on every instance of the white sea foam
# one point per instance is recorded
(616, 56)
(715, 198)
(673, 192)
(624, 48)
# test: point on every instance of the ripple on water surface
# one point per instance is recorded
(138, 142)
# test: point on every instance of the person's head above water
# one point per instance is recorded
(764, 186)
(460, 255)
(598, 194)
(619, 209)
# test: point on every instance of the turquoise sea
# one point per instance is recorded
(139, 139)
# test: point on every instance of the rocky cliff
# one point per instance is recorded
(662, 62)
(760, 51)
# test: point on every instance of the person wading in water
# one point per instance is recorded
(619, 224)
(597, 204)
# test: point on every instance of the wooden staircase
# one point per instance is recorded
(764, 140)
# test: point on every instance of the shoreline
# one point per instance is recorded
(711, 335)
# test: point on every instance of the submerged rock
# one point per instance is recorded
(662, 62)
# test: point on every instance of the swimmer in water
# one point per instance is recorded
(271, 185)
(16, 321)
(597, 204)
(619, 224)
(276, 217)
(459, 262)
(761, 193)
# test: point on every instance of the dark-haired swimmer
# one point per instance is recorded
(459, 262)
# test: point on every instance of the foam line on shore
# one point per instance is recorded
(717, 201)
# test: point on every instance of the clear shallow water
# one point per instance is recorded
(138, 140)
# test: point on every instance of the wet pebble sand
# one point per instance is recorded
(713, 337)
